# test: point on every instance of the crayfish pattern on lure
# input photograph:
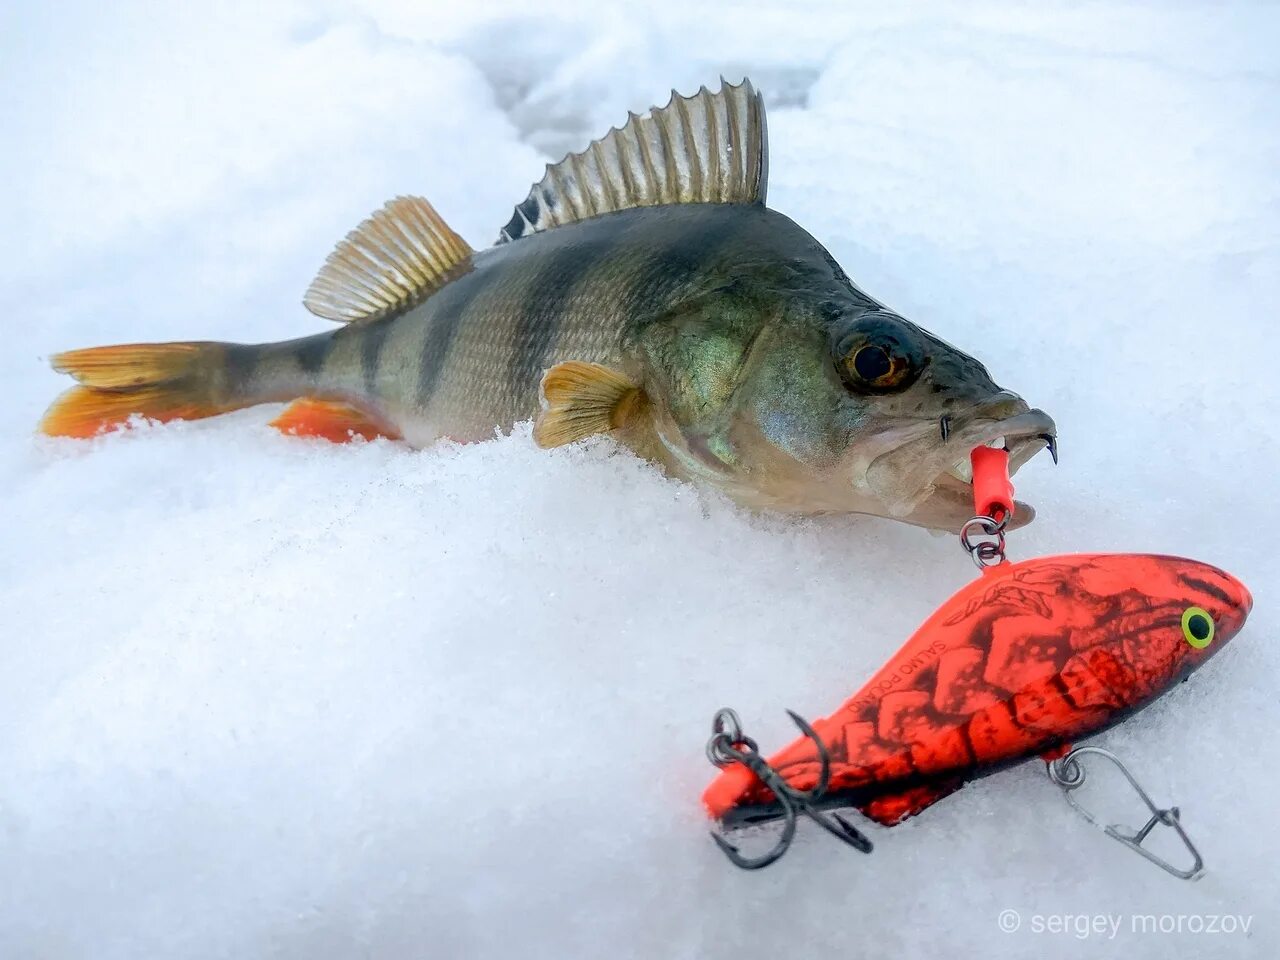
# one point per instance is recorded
(1021, 662)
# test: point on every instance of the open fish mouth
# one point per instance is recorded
(933, 475)
(1023, 435)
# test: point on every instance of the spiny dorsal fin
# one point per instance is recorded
(393, 260)
(580, 399)
(708, 148)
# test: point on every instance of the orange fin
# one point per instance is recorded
(126, 366)
(160, 381)
(85, 412)
(331, 420)
(580, 399)
(893, 808)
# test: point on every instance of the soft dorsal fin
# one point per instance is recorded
(708, 148)
(393, 260)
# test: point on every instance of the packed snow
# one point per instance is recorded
(269, 697)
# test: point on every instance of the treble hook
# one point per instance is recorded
(729, 745)
(1068, 773)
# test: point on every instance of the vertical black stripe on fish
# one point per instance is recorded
(312, 352)
(239, 364)
(543, 311)
(668, 274)
(453, 306)
(696, 248)
(373, 339)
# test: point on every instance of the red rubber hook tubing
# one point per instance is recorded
(992, 488)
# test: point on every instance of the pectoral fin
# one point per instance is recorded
(580, 399)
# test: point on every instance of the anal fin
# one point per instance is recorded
(893, 808)
(330, 420)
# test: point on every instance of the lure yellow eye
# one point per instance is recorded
(1197, 627)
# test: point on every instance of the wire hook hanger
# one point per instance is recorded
(1069, 773)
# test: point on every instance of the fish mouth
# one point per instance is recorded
(930, 478)
(1023, 435)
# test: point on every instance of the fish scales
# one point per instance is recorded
(483, 341)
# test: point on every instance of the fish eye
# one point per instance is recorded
(872, 363)
(1197, 627)
(876, 354)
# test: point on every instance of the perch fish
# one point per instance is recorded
(643, 290)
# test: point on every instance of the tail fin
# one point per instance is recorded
(161, 381)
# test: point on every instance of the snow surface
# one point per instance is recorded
(267, 697)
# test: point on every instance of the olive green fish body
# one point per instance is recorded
(642, 290)
(470, 358)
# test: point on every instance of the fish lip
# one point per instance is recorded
(1024, 435)
(1023, 429)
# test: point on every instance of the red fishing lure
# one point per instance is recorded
(1021, 662)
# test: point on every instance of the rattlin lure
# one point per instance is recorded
(1022, 662)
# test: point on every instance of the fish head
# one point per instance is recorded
(831, 408)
